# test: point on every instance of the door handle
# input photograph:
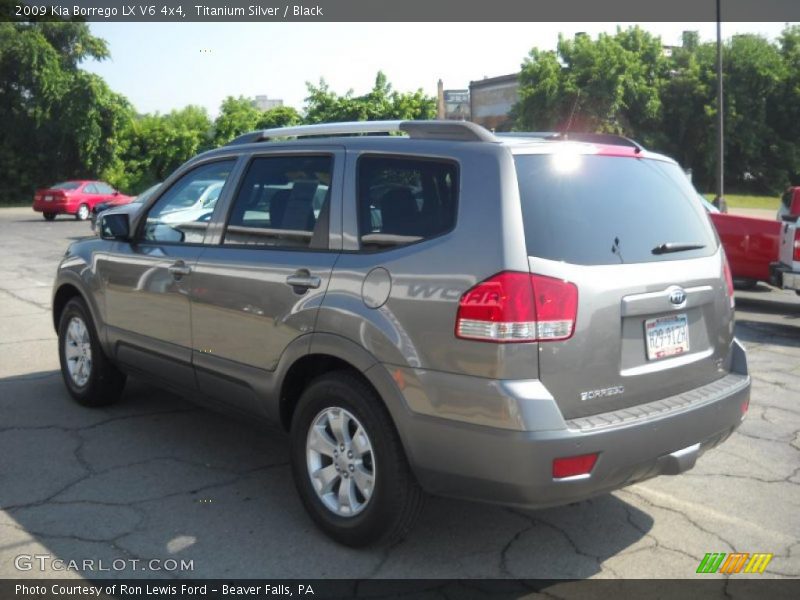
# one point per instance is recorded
(303, 279)
(179, 269)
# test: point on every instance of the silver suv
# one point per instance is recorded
(528, 320)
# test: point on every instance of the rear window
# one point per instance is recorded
(602, 210)
(66, 185)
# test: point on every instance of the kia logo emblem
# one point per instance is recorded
(677, 296)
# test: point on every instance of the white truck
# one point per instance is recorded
(786, 272)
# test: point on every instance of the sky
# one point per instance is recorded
(164, 66)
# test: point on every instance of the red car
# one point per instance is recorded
(75, 198)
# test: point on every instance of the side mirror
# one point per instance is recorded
(116, 193)
(114, 226)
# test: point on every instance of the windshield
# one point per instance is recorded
(66, 185)
(597, 210)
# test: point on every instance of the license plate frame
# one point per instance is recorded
(666, 336)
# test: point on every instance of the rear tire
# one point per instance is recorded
(48, 216)
(83, 212)
(91, 379)
(383, 499)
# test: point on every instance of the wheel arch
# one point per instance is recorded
(64, 294)
(69, 286)
(328, 353)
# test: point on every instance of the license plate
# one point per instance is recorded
(48, 198)
(666, 336)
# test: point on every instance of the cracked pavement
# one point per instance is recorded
(155, 477)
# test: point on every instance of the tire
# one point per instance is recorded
(48, 216)
(388, 512)
(83, 212)
(91, 379)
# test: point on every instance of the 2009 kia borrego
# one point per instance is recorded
(527, 320)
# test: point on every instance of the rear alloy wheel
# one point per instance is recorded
(83, 212)
(348, 463)
(91, 379)
(49, 216)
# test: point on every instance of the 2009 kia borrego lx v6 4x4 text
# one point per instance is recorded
(527, 320)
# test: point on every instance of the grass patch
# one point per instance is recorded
(742, 201)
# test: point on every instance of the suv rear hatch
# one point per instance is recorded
(654, 314)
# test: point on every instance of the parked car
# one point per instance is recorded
(119, 201)
(197, 201)
(530, 321)
(74, 198)
(751, 245)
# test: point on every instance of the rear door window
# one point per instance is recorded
(602, 210)
(404, 200)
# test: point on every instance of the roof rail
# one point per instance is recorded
(429, 130)
(611, 139)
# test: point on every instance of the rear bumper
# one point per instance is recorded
(504, 466)
(55, 207)
(782, 276)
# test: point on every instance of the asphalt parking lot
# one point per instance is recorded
(154, 477)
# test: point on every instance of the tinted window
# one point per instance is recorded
(402, 200)
(183, 212)
(103, 188)
(283, 202)
(787, 198)
(66, 185)
(597, 210)
(90, 188)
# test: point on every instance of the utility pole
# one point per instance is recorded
(719, 201)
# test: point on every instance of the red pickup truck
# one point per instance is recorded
(751, 245)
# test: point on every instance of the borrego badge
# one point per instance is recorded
(677, 296)
(603, 392)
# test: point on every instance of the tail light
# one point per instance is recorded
(796, 254)
(726, 271)
(518, 307)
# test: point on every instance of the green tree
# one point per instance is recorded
(754, 74)
(609, 84)
(382, 102)
(56, 120)
(239, 115)
(628, 83)
(236, 116)
(152, 146)
(688, 98)
(784, 113)
(280, 116)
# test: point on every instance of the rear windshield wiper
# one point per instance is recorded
(668, 247)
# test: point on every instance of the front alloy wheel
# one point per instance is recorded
(83, 213)
(78, 351)
(91, 379)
